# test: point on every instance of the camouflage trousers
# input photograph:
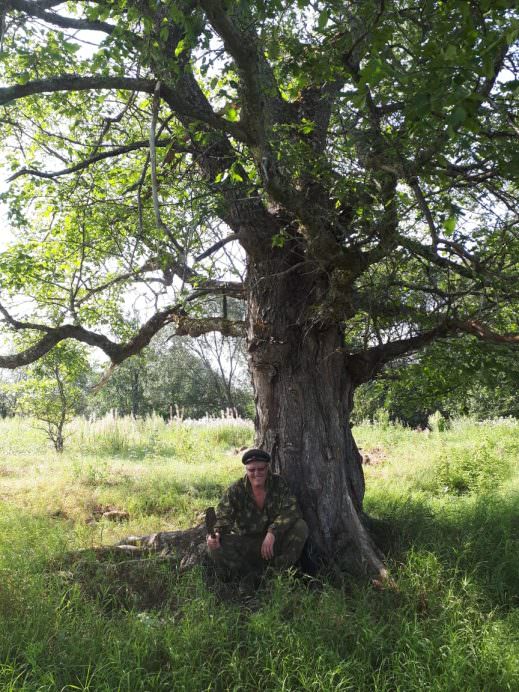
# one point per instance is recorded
(241, 554)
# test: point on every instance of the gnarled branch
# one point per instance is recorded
(173, 314)
(483, 332)
(40, 10)
(74, 82)
(364, 365)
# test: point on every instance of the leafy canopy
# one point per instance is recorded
(370, 148)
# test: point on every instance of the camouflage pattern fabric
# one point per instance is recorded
(241, 555)
(238, 512)
(243, 526)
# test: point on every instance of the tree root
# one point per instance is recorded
(187, 547)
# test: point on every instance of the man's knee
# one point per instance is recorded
(300, 529)
(292, 543)
(297, 534)
(228, 552)
(238, 553)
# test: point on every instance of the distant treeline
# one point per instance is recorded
(456, 378)
(168, 378)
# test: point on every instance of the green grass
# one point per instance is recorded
(450, 531)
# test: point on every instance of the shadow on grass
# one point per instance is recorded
(471, 537)
(117, 582)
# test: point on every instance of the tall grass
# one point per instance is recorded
(450, 623)
(188, 440)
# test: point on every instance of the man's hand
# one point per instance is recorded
(213, 542)
(267, 547)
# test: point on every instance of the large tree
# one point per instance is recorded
(363, 156)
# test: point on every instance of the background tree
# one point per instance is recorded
(168, 377)
(225, 361)
(8, 393)
(458, 378)
(53, 390)
(363, 156)
(123, 393)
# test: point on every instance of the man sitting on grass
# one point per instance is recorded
(258, 522)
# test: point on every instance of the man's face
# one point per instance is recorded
(257, 473)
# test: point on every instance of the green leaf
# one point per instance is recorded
(278, 240)
(234, 175)
(458, 116)
(323, 20)
(133, 13)
(273, 50)
(450, 225)
(488, 66)
(512, 35)
(181, 47)
(451, 52)
(373, 71)
(164, 33)
(307, 126)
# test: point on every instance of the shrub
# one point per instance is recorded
(469, 469)
(381, 418)
(437, 422)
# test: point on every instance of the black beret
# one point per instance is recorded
(255, 455)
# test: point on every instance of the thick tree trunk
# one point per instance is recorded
(303, 398)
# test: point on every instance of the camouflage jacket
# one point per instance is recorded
(239, 513)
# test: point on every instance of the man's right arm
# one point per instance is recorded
(225, 513)
(224, 520)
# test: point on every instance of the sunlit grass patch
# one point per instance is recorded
(468, 456)
(188, 441)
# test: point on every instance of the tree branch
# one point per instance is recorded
(262, 105)
(187, 326)
(261, 100)
(174, 314)
(153, 162)
(364, 365)
(47, 4)
(93, 159)
(51, 339)
(74, 82)
(416, 248)
(16, 324)
(150, 265)
(422, 203)
(225, 288)
(35, 9)
(477, 328)
(217, 246)
(435, 146)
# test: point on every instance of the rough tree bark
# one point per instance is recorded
(303, 394)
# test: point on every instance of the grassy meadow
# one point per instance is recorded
(446, 512)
